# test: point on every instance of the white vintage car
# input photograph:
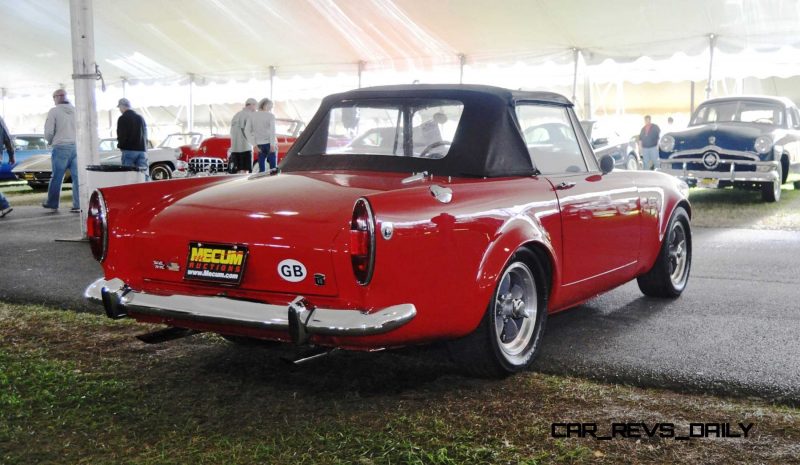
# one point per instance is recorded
(163, 160)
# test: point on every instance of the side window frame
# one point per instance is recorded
(592, 165)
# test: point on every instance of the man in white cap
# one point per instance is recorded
(132, 137)
(241, 159)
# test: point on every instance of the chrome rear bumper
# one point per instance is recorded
(300, 318)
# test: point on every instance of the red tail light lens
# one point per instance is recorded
(97, 226)
(362, 241)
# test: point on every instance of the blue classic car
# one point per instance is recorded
(747, 142)
(25, 145)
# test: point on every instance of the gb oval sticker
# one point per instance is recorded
(292, 270)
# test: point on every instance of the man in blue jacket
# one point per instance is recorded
(132, 137)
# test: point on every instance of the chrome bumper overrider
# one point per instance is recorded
(766, 171)
(300, 318)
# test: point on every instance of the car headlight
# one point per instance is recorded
(763, 144)
(667, 143)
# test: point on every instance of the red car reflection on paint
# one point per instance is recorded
(402, 215)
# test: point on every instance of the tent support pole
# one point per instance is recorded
(84, 75)
(691, 101)
(587, 97)
(462, 60)
(712, 39)
(361, 65)
(576, 53)
(271, 82)
(190, 107)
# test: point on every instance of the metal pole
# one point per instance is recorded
(84, 75)
(576, 53)
(462, 60)
(125, 87)
(691, 106)
(190, 108)
(712, 39)
(271, 81)
(361, 65)
(587, 97)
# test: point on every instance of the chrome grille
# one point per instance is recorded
(207, 165)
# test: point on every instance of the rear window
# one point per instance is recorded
(419, 128)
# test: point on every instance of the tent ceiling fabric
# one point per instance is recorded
(157, 40)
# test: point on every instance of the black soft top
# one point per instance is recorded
(487, 143)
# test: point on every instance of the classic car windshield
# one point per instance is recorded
(741, 111)
(173, 141)
(420, 128)
(29, 143)
(288, 127)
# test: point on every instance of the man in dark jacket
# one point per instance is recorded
(132, 137)
(5, 208)
(648, 144)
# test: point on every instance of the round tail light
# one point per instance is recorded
(362, 241)
(97, 226)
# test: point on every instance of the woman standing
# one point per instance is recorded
(260, 130)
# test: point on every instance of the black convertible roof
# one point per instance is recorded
(487, 143)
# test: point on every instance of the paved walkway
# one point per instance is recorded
(734, 330)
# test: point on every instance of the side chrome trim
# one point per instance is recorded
(223, 310)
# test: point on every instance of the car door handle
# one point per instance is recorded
(563, 185)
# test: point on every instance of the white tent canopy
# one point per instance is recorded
(218, 40)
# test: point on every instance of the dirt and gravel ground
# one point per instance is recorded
(78, 388)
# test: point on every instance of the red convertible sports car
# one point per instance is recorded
(444, 224)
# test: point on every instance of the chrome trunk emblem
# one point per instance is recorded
(712, 140)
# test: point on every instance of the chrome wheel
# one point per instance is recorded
(515, 312)
(677, 252)
(160, 172)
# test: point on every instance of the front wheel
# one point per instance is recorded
(510, 333)
(670, 273)
(771, 191)
(632, 164)
(160, 172)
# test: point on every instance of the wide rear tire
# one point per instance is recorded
(670, 273)
(510, 333)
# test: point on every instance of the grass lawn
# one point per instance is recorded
(79, 389)
(20, 194)
(729, 208)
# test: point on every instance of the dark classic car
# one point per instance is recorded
(749, 142)
(606, 140)
(458, 230)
